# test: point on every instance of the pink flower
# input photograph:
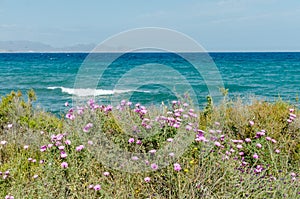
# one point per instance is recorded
(90, 142)
(293, 174)
(87, 127)
(63, 155)
(273, 140)
(64, 165)
(97, 187)
(91, 186)
(147, 179)
(61, 147)
(66, 103)
(277, 151)
(79, 148)
(170, 140)
(3, 142)
(154, 166)
(138, 142)
(134, 158)
(291, 110)
(239, 146)
(218, 144)
(152, 151)
(251, 123)
(106, 173)
(171, 154)
(9, 197)
(258, 145)
(68, 142)
(177, 167)
(131, 140)
(43, 148)
(268, 138)
(188, 128)
(248, 140)
(26, 147)
(289, 120)
(255, 156)
(241, 153)
(9, 126)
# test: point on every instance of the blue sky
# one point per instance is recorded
(218, 25)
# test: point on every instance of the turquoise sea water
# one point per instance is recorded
(52, 76)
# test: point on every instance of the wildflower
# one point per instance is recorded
(289, 120)
(42, 161)
(63, 155)
(152, 151)
(239, 146)
(61, 147)
(43, 148)
(188, 128)
(106, 173)
(35, 176)
(134, 158)
(251, 123)
(138, 142)
(131, 140)
(67, 142)
(277, 151)
(273, 140)
(91, 186)
(90, 142)
(248, 140)
(3, 142)
(147, 179)
(79, 148)
(64, 165)
(255, 156)
(293, 174)
(170, 139)
(291, 110)
(171, 154)
(177, 167)
(268, 138)
(241, 153)
(50, 145)
(218, 144)
(9, 126)
(258, 145)
(26, 147)
(9, 197)
(34, 160)
(42, 132)
(154, 166)
(97, 187)
(66, 103)
(87, 127)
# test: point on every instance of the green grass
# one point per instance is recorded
(208, 170)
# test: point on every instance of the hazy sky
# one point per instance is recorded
(216, 24)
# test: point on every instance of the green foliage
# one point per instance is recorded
(208, 171)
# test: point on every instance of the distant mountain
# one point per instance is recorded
(31, 46)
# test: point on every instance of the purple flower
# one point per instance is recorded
(43, 148)
(68, 142)
(152, 151)
(154, 166)
(177, 167)
(64, 165)
(255, 156)
(63, 154)
(147, 179)
(131, 140)
(218, 144)
(258, 145)
(139, 142)
(97, 187)
(251, 123)
(188, 128)
(106, 173)
(79, 148)
(248, 140)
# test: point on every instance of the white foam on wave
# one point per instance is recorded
(84, 92)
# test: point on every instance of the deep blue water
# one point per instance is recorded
(52, 75)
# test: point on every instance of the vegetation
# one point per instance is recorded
(233, 150)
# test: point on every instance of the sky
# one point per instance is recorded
(218, 25)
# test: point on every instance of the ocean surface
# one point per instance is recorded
(59, 77)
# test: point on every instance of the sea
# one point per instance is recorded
(149, 78)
